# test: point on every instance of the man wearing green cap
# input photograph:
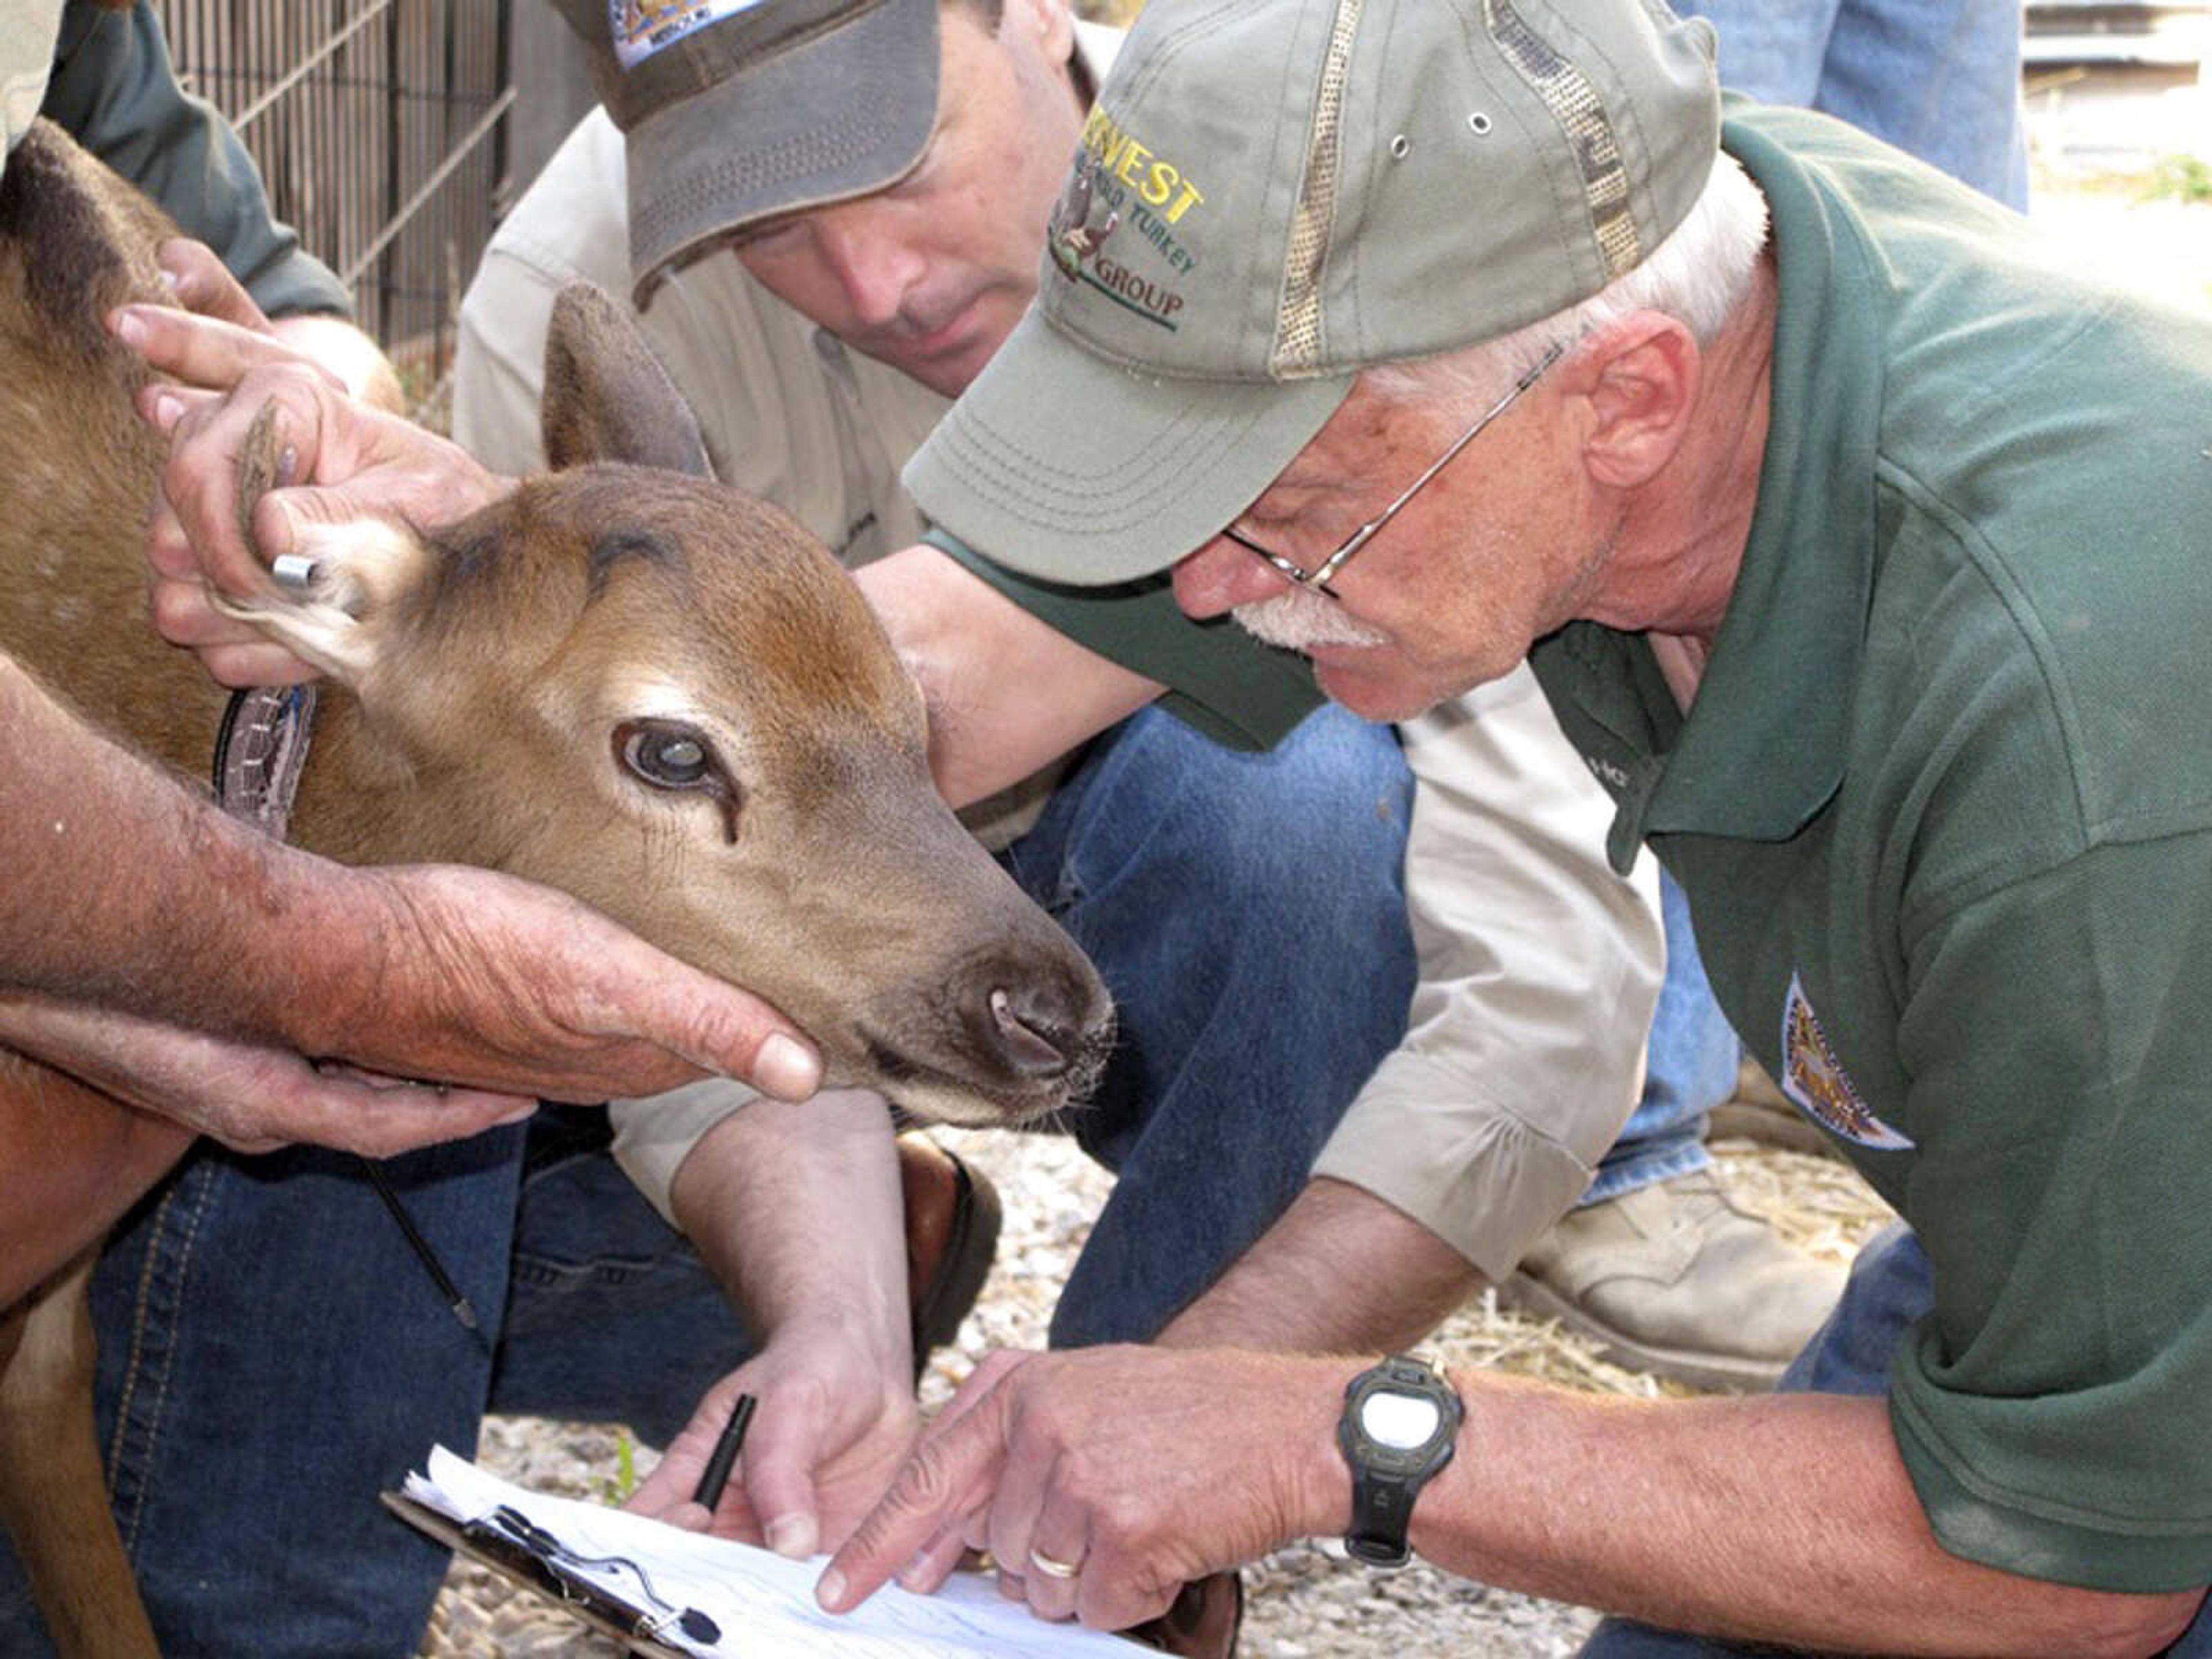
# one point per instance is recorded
(1857, 542)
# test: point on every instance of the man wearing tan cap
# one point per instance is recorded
(818, 314)
(1167, 855)
(1858, 541)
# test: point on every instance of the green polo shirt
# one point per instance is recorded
(1944, 810)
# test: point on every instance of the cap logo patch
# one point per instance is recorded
(1814, 1079)
(1115, 173)
(1071, 237)
(639, 28)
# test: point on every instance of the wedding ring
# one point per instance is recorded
(1052, 1566)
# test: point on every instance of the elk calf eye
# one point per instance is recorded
(668, 757)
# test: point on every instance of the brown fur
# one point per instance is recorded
(486, 683)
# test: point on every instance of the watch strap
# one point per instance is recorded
(1385, 1480)
(1381, 1510)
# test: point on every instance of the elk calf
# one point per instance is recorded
(639, 686)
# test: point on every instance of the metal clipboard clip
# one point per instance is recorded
(612, 1593)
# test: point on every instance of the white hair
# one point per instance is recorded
(1298, 619)
(1698, 275)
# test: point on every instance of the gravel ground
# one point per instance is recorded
(2095, 158)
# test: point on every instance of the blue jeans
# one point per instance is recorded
(272, 1354)
(1689, 1068)
(1249, 913)
(1890, 1290)
(1939, 79)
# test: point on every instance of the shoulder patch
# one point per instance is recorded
(1815, 1081)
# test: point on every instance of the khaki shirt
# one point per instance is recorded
(1539, 966)
(27, 52)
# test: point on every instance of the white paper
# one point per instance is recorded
(763, 1602)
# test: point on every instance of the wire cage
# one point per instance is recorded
(381, 128)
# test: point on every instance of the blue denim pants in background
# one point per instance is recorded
(273, 1355)
(1890, 1290)
(1940, 79)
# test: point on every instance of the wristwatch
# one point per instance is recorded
(1397, 1429)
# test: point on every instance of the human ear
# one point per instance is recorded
(1642, 375)
(1051, 21)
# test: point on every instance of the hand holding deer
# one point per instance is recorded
(461, 974)
(348, 460)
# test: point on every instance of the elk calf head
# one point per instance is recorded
(663, 696)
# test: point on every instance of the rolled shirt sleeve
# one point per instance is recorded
(654, 1136)
(1539, 971)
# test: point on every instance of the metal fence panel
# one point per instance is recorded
(379, 126)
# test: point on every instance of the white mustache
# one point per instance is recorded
(1298, 619)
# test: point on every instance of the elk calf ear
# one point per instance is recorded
(607, 397)
(345, 583)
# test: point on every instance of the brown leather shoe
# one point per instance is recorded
(952, 1219)
(1203, 1622)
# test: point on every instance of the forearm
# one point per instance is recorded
(1340, 1272)
(1007, 694)
(225, 938)
(338, 346)
(796, 1210)
(1786, 1519)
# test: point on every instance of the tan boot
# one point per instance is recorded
(1760, 1112)
(1672, 1279)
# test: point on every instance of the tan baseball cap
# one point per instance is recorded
(1271, 195)
(732, 110)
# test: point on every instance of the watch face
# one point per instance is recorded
(1400, 1421)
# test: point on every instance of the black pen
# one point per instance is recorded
(716, 1475)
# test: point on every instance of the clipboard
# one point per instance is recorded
(606, 1613)
(670, 1593)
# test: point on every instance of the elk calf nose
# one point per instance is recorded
(1039, 1017)
(1031, 1041)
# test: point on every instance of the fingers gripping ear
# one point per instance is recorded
(338, 581)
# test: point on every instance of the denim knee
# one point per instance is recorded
(1333, 801)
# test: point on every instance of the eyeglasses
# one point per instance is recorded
(1318, 578)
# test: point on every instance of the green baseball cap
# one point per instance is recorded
(1272, 195)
